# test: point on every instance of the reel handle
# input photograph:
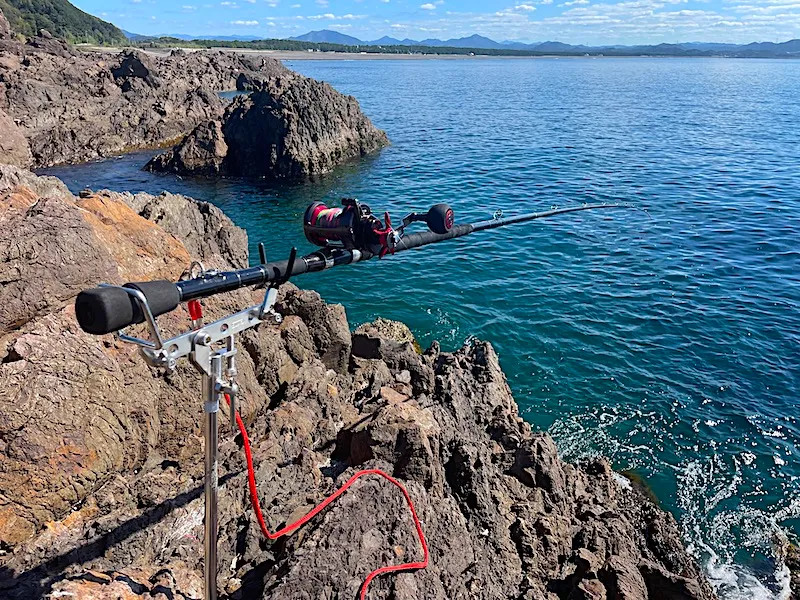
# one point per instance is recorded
(440, 218)
(104, 310)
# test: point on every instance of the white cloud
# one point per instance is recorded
(296, 6)
(136, 1)
(322, 3)
(428, 6)
(333, 17)
(246, 23)
(592, 22)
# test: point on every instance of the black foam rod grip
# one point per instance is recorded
(106, 309)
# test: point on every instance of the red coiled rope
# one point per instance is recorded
(251, 482)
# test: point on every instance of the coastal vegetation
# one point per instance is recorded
(60, 18)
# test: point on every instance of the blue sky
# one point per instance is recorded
(572, 21)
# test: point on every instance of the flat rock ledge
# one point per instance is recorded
(289, 127)
(101, 458)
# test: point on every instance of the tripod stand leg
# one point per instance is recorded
(211, 409)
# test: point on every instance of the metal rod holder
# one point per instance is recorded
(211, 349)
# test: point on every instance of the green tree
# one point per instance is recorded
(60, 18)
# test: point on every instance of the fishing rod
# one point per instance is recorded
(345, 235)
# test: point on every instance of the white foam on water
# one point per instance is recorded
(719, 522)
(733, 582)
(714, 532)
(622, 481)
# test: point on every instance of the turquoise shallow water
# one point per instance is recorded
(670, 344)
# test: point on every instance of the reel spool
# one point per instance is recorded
(354, 227)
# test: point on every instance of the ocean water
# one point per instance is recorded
(669, 342)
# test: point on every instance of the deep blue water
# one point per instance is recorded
(671, 343)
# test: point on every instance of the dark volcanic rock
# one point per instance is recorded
(14, 149)
(202, 152)
(793, 563)
(135, 65)
(75, 106)
(45, 42)
(292, 127)
(101, 466)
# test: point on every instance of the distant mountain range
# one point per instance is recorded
(478, 42)
(333, 41)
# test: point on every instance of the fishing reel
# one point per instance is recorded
(355, 227)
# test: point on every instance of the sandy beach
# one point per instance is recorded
(305, 55)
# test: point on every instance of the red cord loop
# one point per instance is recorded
(251, 483)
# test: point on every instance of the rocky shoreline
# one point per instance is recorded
(100, 457)
(59, 105)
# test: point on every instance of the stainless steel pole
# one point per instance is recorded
(211, 409)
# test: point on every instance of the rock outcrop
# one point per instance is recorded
(74, 106)
(793, 564)
(100, 457)
(202, 152)
(291, 127)
(14, 148)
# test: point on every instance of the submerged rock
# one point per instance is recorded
(292, 127)
(101, 465)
